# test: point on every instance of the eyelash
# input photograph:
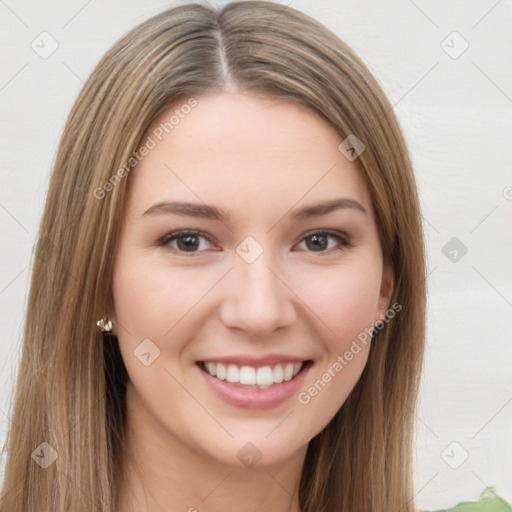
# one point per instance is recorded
(167, 239)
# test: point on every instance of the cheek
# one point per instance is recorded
(151, 303)
(345, 301)
(347, 304)
(150, 300)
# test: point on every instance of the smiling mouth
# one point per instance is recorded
(249, 377)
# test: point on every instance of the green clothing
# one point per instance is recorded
(489, 502)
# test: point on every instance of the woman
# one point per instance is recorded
(228, 301)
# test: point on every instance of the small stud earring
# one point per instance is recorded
(105, 325)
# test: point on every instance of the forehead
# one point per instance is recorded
(243, 151)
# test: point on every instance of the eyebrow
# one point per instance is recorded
(215, 213)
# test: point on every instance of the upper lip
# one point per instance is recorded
(256, 362)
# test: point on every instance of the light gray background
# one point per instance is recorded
(456, 114)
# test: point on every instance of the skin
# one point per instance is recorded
(259, 159)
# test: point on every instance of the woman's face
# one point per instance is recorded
(256, 290)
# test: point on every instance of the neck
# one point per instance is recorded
(160, 473)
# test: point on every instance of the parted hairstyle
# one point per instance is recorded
(70, 389)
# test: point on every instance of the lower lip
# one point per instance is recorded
(255, 398)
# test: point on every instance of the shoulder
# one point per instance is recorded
(489, 502)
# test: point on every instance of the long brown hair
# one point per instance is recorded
(71, 383)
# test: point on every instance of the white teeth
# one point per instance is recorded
(278, 374)
(211, 367)
(220, 372)
(288, 372)
(232, 374)
(263, 377)
(247, 375)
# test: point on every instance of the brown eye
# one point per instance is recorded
(186, 241)
(190, 242)
(319, 241)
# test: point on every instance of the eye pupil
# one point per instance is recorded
(317, 238)
(190, 242)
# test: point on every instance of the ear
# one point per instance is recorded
(386, 291)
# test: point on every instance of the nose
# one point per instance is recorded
(257, 299)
